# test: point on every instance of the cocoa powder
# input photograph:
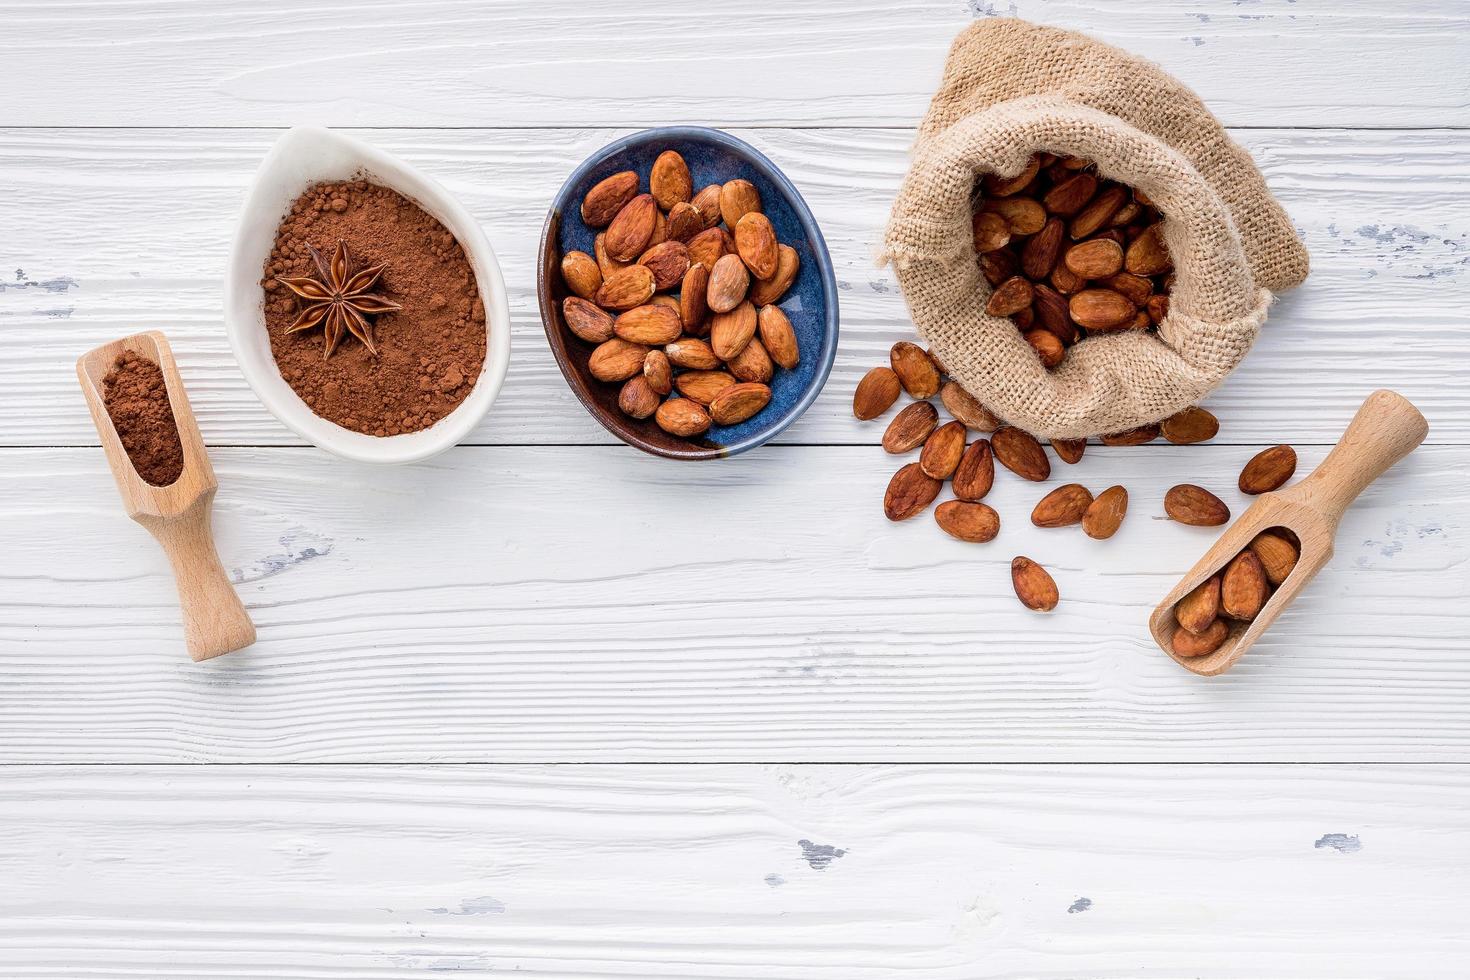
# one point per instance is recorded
(136, 398)
(429, 353)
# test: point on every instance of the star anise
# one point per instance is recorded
(338, 300)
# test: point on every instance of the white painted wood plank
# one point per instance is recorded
(800, 873)
(594, 604)
(601, 62)
(115, 231)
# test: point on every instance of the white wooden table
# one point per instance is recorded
(548, 706)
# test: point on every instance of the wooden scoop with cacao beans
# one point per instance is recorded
(1226, 601)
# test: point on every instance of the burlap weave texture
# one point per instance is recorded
(1012, 89)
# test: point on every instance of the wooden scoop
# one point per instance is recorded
(1386, 429)
(215, 621)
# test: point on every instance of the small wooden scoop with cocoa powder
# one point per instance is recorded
(1385, 430)
(177, 512)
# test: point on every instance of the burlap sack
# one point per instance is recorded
(1011, 89)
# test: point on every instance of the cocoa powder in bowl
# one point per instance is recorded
(430, 352)
(136, 397)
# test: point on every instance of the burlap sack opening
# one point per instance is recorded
(1179, 155)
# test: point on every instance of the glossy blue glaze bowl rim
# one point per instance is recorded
(809, 228)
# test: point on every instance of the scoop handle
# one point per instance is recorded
(1386, 429)
(215, 620)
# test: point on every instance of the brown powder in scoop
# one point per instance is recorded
(429, 353)
(136, 398)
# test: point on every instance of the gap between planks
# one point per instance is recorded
(1159, 445)
(529, 127)
(735, 763)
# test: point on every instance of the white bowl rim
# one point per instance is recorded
(305, 155)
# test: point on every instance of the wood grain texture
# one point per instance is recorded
(804, 873)
(524, 601)
(177, 515)
(148, 215)
(592, 604)
(600, 62)
(1385, 430)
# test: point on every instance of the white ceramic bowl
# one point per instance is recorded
(308, 155)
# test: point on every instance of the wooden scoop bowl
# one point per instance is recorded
(1385, 430)
(215, 621)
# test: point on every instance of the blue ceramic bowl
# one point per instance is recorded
(811, 302)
